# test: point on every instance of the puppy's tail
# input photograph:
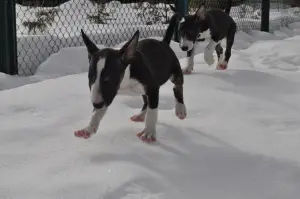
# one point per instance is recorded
(228, 7)
(171, 28)
(172, 8)
(227, 10)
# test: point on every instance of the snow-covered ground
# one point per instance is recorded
(35, 48)
(240, 140)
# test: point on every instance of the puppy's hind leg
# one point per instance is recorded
(220, 53)
(177, 80)
(229, 43)
(141, 116)
(148, 134)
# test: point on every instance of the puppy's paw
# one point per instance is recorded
(138, 117)
(180, 111)
(222, 66)
(84, 133)
(187, 70)
(147, 136)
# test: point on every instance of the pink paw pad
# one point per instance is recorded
(137, 118)
(187, 72)
(222, 67)
(82, 134)
(147, 139)
(180, 115)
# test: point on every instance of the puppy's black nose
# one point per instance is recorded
(98, 105)
(184, 48)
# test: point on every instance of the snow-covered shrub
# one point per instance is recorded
(102, 15)
(43, 18)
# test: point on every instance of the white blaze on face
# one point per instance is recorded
(183, 40)
(186, 43)
(96, 97)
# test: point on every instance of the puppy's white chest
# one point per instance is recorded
(205, 35)
(130, 86)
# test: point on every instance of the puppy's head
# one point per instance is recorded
(106, 69)
(190, 27)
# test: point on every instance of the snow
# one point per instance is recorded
(241, 137)
(35, 48)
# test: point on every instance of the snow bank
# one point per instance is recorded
(60, 64)
(13, 81)
(66, 62)
(33, 50)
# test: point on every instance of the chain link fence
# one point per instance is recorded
(247, 13)
(46, 26)
(42, 31)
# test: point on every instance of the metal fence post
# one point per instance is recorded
(265, 15)
(182, 8)
(8, 37)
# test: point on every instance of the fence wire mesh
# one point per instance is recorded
(247, 13)
(46, 26)
(42, 31)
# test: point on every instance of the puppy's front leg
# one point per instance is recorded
(208, 52)
(93, 125)
(149, 132)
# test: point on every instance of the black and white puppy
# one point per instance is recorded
(213, 25)
(139, 66)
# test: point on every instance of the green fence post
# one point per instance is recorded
(265, 15)
(8, 37)
(182, 8)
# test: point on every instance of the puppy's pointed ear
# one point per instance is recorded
(201, 12)
(128, 50)
(173, 8)
(91, 47)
